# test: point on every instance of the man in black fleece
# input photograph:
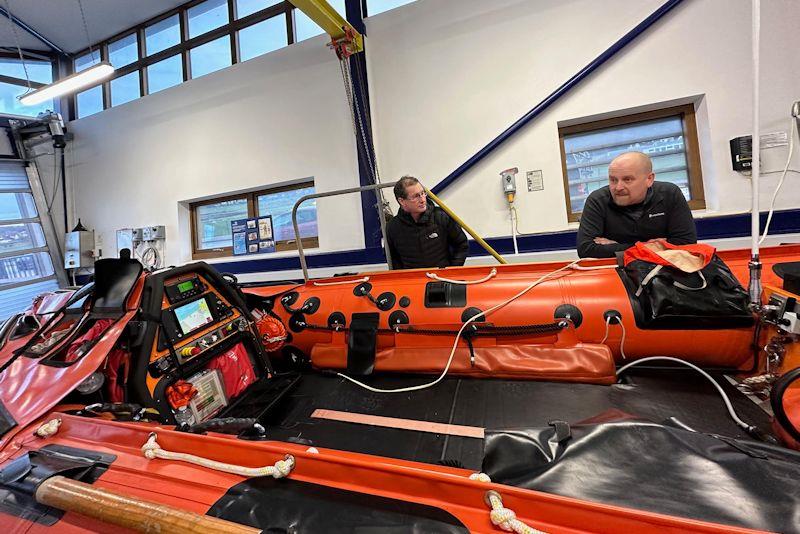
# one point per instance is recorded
(633, 207)
(422, 235)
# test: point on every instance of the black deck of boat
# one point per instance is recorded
(495, 404)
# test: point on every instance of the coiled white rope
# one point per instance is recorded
(49, 428)
(501, 516)
(357, 281)
(489, 276)
(282, 468)
(458, 337)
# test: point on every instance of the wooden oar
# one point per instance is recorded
(130, 512)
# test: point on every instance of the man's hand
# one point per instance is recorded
(604, 241)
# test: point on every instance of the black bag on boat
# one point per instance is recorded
(664, 297)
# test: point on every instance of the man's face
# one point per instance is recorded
(416, 201)
(628, 180)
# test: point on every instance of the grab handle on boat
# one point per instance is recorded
(489, 276)
(128, 511)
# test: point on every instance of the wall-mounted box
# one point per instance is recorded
(78, 250)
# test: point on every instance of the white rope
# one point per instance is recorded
(780, 182)
(725, 398)
(282, 468)
(458, 336)
(358, 281)
(595, 268)
(480, 477)
(622, 339)
(489, 276)
(505, 518)
(49, 428)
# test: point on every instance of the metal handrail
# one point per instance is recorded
(302, 199)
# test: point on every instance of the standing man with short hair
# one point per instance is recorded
(633, 207)
(422, 235)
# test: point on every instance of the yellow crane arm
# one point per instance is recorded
(327, 18)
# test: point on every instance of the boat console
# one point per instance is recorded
(198, 355)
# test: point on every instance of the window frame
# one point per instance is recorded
(285, 9)
(686, 112)
(252, 211)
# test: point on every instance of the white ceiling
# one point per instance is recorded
(60, 20)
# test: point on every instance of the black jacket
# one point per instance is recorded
(435, 240)
(664, 213)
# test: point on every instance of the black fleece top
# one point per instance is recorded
(664, 213)
(435, 240)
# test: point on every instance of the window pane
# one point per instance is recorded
(164, 74)
(125, 89)
(90, 101)
(207, 16)
(162, 35)
(38, 71)
(304, 27)
(14, 237)
(248, 7)
(213, 222)
(263, 37)
(123, 51)
(25, 267)
(16, 206)
(210, 56)
(280, 205)
(379, 6)
(588, 155)
(87, 60)
(9, 103)
(20, 298)
(12, 176)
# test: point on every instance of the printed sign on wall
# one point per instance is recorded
(252, 236)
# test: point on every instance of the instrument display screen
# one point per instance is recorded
(183, 287)
(193, 315)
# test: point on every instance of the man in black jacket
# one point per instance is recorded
(633, 207)
(422, 235)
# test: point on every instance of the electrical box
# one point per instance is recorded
(742, 153)
(78, 250)
(136, 235)
(151, 233)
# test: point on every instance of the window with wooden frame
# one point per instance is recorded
(668, 136)
(211, 219)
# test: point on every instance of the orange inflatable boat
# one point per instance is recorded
(583, 397)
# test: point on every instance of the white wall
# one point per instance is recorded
(270, 120)
(447, 76)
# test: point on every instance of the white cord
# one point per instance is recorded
(622, 339)
(780, 182)
(513, 212)
(152, 450)
(357, 281)
(489, 276)
(725, 398)
(458, 336)
(595, 268)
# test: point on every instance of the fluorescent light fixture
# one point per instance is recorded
(70, 84)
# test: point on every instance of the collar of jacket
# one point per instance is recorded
(423, 219)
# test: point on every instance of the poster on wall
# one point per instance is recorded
(252, 236)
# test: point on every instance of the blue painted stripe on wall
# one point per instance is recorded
(727, 226)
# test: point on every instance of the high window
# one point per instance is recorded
(196, 39)
(25, 266)
(14, 83)
(211, 219)
(668, 136)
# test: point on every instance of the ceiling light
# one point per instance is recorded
(70, 84)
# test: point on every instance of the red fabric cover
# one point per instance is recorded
(640, 251)
(116, 365)
(74, 351)
(583, 362)
(236, 369)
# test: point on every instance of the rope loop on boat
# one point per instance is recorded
(505, 518)
(480, 477)
(489, 276)
(49, 428)
(357, 281)
(282, 468)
